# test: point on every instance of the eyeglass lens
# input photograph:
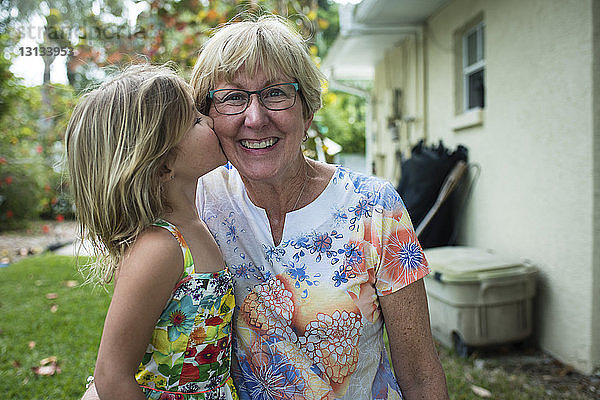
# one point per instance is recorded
(234, 101)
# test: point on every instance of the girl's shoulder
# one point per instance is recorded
(154, 252)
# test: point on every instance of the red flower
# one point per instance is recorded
(189, 373)
(213, 321)
(9, 214)
(60, 218)
(190, 352)
(39, 149)
(223, 343)
(8, 180)
(170, 396)
(45, 229)
(208, 355)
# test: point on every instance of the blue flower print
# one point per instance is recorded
(231, 232)
(339, 278)
(273, 253)
(352, 254)
(274, 378)
(298, 274)
(362, 208)
(321, 242)
(303, 242)
(179, 317)
(411, 256)
(243, 270)
(389, 198)
(339, 217)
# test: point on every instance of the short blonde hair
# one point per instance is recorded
(117, 142)
(267, 42)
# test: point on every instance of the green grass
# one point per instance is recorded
(71, 333)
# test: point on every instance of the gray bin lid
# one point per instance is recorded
(467, 264)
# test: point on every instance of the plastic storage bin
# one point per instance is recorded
(478, 298)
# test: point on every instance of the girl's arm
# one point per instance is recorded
(148, 273)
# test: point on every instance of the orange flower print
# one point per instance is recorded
(403, 261)
(268, 305)
(332, 342)
(198, 335)
(180, 238)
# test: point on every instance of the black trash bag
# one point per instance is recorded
(421, 178)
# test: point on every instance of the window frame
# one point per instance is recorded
(478, 65)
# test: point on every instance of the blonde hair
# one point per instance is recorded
(267, 42)
(117, 142)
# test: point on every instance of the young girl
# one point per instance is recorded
(136, 147)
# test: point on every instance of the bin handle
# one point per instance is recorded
(489, 284)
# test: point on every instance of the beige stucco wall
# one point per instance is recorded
(596, 219)
(401, 68)
(538, 150)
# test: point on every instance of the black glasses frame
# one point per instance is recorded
(211, 95)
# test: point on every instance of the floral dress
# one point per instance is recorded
(189, 355)
(308, 323)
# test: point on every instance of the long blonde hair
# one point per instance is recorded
(268, 42)
(117, 142)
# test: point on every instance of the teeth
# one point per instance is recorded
(263, 144)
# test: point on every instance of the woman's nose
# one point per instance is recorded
(256, 113)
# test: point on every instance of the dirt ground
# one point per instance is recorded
(557, 379)
(541, 369)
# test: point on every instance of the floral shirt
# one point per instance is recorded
(308, 323)
(189, 355)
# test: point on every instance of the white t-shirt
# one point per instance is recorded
(307, 322)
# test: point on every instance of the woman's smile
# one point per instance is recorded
(259, 144)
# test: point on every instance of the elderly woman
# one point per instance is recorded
(322, 256)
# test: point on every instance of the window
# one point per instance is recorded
(473, 68)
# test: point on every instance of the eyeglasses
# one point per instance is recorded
(235, 101)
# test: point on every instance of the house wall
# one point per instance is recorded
(596, 219)
(538, 149)
(401, 69)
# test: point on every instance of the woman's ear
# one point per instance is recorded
(166, 173)
(308, 121)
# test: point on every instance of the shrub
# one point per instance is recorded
(19, 197)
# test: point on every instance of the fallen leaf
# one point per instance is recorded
(15, 364)
(70, 284)
(51, 296)
(48, 366)
(481, 392)
(568, 370)
(31, 345)
(48, 360)
(46, 370)
(53, 308)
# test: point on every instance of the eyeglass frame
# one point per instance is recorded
(211, 95)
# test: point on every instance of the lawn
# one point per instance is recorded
(44, 314)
